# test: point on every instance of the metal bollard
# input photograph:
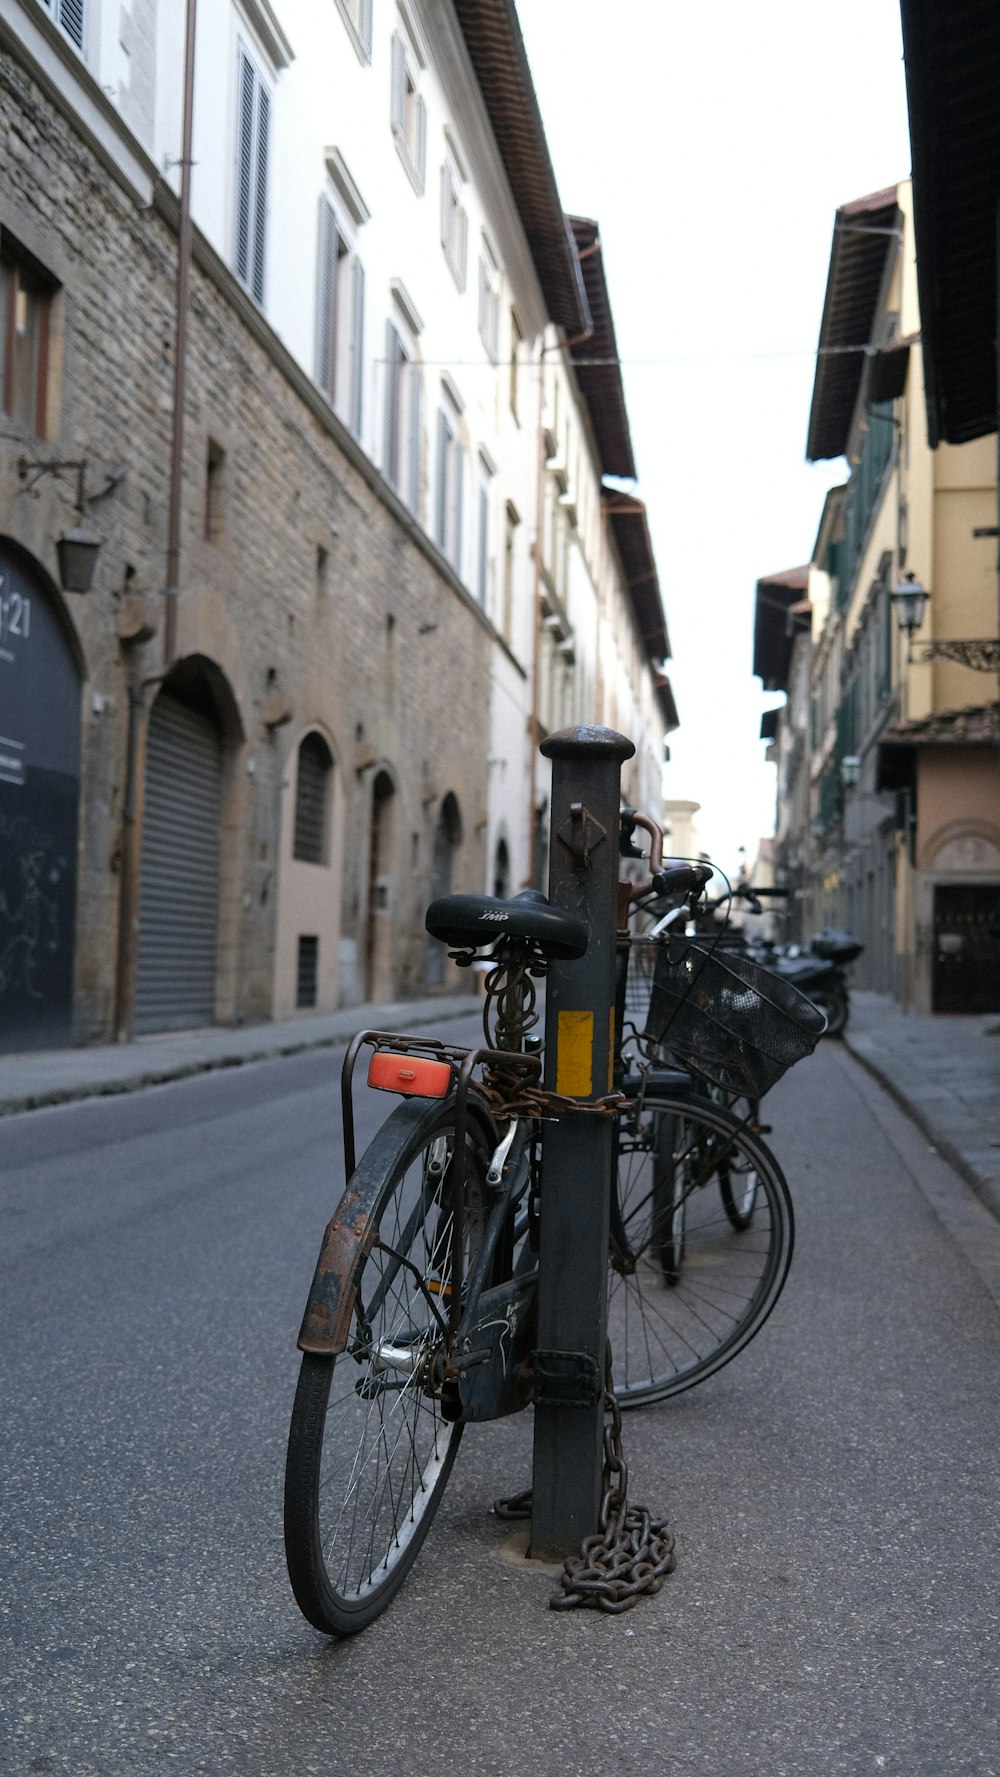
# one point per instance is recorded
(576, 1150)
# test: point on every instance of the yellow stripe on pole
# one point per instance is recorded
(575, 1054)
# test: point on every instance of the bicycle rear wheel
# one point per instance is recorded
(369, 1452)
(673, 1324)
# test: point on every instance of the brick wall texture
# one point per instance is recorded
(310, 600)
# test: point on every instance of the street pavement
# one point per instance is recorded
(943, 1071)
(832, 1491)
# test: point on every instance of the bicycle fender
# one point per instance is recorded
(351, 1233)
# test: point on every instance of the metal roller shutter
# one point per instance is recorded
(179, 891)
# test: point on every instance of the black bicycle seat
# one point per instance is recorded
(467, 921)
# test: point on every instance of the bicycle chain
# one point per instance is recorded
(508, 1097)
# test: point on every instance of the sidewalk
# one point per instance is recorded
(945, 1072)
(30, 1081)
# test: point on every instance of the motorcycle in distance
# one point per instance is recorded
(820, 972)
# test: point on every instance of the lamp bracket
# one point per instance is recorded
(32, 469)
(981, 654)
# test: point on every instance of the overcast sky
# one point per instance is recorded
(713, 141)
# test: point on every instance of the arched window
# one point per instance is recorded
(311, 843)
(501, 871)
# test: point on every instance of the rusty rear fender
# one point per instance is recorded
(351, 1233)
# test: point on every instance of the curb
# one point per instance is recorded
(165, 1073)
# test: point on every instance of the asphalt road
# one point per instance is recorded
(833, 1491)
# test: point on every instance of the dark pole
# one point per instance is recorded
(174, 512)
(576, 1149)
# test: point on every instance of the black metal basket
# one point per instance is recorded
(728, 1019)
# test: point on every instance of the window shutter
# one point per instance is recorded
(459, 475)
(421, 143)
(71, 18)
(244, 162)
(366, 26)
(446, 209)
(441, 507)
(398, 86)
(260, 195)
(462, 247)
(393, 355)
(413, 372)
(315, 764)
(484, 540)
(357, 346)
(326, 298)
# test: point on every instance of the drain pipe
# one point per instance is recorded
(180, 353)
(128, 895)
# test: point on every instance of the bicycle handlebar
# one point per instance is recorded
(680, 879)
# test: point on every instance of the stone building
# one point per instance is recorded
(233, 772)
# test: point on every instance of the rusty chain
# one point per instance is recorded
(632, 1552)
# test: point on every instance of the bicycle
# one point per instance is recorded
(420, 1318)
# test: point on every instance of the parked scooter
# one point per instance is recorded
(820, 972)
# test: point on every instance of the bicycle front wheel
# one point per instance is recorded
(369, 1452)
(678, 1309)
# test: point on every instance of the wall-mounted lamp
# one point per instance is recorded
(77, 548)
(850, 770)
(981, 653)
(910, 599)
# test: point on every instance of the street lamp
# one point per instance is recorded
(77, 549)
(850, 770)
(910, 599)
(981, 653)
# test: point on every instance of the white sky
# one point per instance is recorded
(713, 140)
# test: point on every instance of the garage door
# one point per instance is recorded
(179, 889)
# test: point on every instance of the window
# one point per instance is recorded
(489, 298)
(310, 844)
(402, 419)
(214, 490)
(454, 222)
(25, 304)
(71, 17)
(307, 974)
(486, 472)
(513, 519)
(450, 475)
(516, 342)
(253, 131)
(340, 315)
(409, 113)
(357, 15)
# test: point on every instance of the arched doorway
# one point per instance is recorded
(378, 920)
(179, 881)
(40, 677)
(447, 838)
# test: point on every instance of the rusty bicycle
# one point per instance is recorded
(420, 1319)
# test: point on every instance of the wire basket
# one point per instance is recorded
(727, 1018)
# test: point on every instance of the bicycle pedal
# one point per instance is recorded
(761, 1128)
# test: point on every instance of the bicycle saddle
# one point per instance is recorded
(467, 921)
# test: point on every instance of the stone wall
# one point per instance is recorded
(314, 598)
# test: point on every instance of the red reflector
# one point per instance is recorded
(414, 1075)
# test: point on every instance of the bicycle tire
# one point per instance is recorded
(737, 1181)
(368, 1462)
(667, 1337)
